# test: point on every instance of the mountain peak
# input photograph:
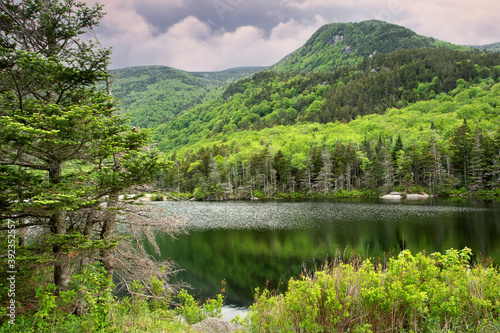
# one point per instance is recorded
(339, 44)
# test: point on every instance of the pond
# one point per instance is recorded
(251, 244)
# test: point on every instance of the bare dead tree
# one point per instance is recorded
(143, 224)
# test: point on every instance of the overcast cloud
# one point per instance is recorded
(207, 35)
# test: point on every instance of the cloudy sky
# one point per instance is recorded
(209, 35)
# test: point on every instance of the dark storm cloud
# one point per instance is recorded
(225, 15)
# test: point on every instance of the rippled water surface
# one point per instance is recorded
(253, 243)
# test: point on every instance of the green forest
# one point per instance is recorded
(152, 95)
(362, 109)
(412, 120)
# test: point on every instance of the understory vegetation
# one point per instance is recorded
(407, 293)
(410, 293)
(90, 305)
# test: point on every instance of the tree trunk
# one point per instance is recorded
(62, 267)
(108, 254)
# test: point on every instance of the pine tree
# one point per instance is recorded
(64, 152)
(398, 145)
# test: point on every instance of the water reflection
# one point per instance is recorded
(251, 244)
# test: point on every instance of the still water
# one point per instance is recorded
(252, 244)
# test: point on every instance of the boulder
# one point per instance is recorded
(417, 196)
(393, 196)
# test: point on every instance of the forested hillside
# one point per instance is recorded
(153, 95)
(494, 47)
(361, 109)
(440, 145)
(390, 80)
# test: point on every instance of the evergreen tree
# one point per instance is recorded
(477, 163)
(63, 150)
(398, 145)
(461, 143)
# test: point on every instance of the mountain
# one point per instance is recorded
(268, 99)
(153, 95)
(419, 113)
(494, 47)
(341, 44)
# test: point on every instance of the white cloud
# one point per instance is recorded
(246, 46)
(193, 45)
(459, 22)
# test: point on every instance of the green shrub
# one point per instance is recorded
(199, 194)
(88, 306)
(417, 189)
(156, 197)
(192, 312)
(421, 293)
(282, 195)
(258, 194)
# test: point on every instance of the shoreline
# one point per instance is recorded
(396, 196)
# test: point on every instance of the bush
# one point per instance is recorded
(199, 194)
(192, 312)
(258, 194)
(156, 197)
(89, 306)
(417, 189)
(422, 293)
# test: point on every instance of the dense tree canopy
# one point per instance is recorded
(269, 99)
(438, 145)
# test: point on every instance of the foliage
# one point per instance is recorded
(156, 197)
(192, 312)
(91, 296)
(410, 293)
(199, 194)
(153, 95)
(91, 291)
(376, 85)
(65, 153)
(419, 148)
